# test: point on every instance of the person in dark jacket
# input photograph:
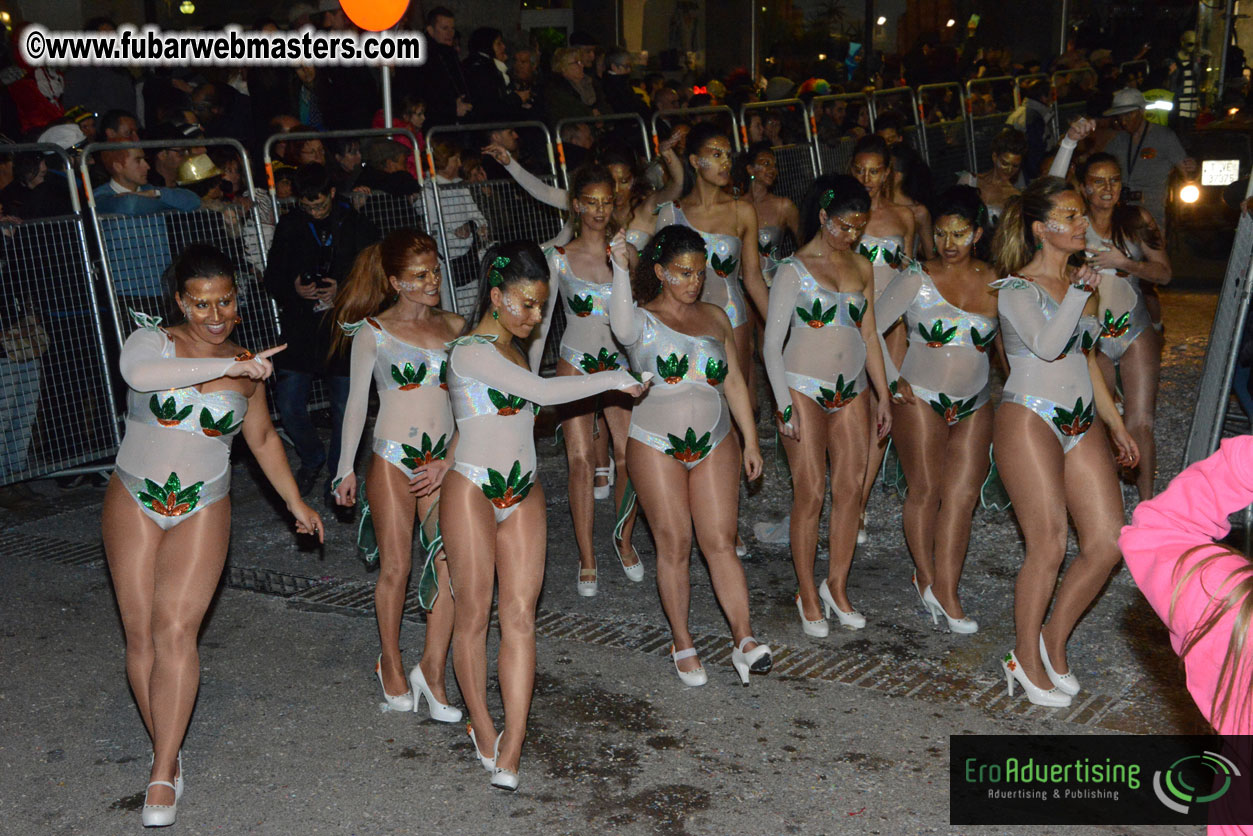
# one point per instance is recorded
(487, 74)
(620, 95)
(313, 251)
(439, 82)
(566, 95)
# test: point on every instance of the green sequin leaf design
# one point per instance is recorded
(980, 341)
(1075, 421)
(764, 250)
(167, 412)
(815, 316)
(826, 397)
(581, 305)
(222, 426)
(505, 492)
(170, 499)
(416, 457)
(951, 410)
(443, 375)
(855, 313)
(869, 253)
(938, 336)
(604, 361)
(689, 448)
(786, 414)
(408, 377)
(672, 369)
(505, 404)
(715, 371)
(1086, 343)
(1115, 328)
(724, 267)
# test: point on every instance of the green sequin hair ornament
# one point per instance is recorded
(827, 197)
(494, 276)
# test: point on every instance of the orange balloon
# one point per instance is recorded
(374, 15)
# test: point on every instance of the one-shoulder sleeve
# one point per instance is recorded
(783, 294)
(1044, 336)
(361, 374)
(892, 305)
(145, 368)
(482, 362)
(625, 320)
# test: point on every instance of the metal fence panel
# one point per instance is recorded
(56, 405)
(827, 114)
(984, 129)
(719, 114)
(795, 156)
(946, 132)
(627, 128)
(904, 101)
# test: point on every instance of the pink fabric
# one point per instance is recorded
(1193, 511)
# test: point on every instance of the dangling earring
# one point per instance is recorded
(495, 314)
(1039, 245)
(238, 319)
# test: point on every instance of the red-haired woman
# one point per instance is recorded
(389, 304)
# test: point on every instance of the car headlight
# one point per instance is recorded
(1190, 193)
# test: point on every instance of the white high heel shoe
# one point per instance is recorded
(818, 629)
(159, 815)
(965, 624)
(487, 763)
(1067, 683)
(404, 702)
(588, 586)
(757, 660)
(862, 537)
(178, 778)
(634, 572)
(1053, 697)
(502, 779)
(603, 491)
(852, 620)
(913, 579)
(693, 679)
(438, 710)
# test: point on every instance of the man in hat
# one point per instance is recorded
(1146, 152)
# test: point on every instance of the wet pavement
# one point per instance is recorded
(848, 734)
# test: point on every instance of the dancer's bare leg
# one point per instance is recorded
(392, 507)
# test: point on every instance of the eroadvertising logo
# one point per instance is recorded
(1174, 781)
(1099, 779)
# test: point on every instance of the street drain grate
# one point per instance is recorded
(887, 675)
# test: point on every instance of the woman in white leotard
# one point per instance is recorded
(580, 277)
(167, 513)
(492, 513)
(1052, 452)
(888, 243)
(684, 460)
(1124, 243)
(944, 435)
(819, 304)
(776, 214)
(388, 305)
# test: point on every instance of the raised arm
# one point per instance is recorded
(361, 371)
(783, 296)
(624, 319)
(535, 350)
(1045, 337)
(536, 187)
(146, 369)
(484, 363)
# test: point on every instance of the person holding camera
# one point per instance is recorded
(314, 248)
(1146, 152)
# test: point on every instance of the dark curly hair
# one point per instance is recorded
(668, 244)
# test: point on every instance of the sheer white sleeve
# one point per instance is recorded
(1046, 337)
(484, 363)
(778, 319)
(361, 371)
(145, 368)
(536, 187)
(624, 318)
(891, 306)
(1061, 161)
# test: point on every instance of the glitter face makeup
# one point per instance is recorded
(870, 170)
(422, 275)
(1055, 226)
(210, 310)
(958, 233)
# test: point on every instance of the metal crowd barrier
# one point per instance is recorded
(388, 212)
(721, 114)
(833, 149)
(797, 161)
(1020, 81)
(984, 127)
(57, 408)
(487, 212)
(136, 250)
(627, 123)
(904, 101)
(947, 140)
